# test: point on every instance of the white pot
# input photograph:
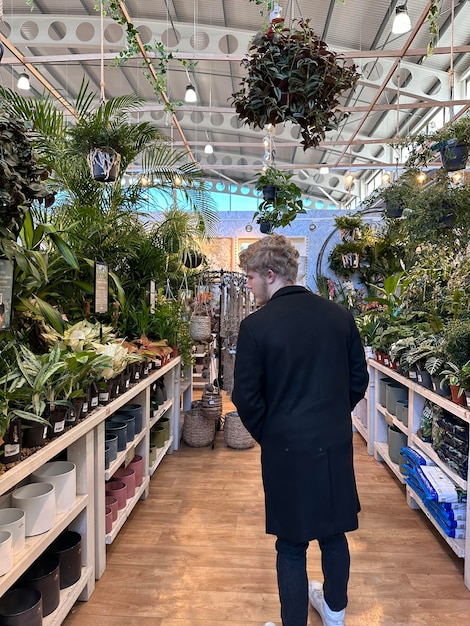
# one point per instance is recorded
(13, 520)
(63, 475)
(38, 502)
(6, 552)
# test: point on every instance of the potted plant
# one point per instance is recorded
(282, 199)
(452, 141)
(292, 76)
(21, 176)
(106, 136)
(349, 226)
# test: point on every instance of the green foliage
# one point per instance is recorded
(292, 76)
(457, 336)
(287, 203)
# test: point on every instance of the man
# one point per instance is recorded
(299, 371)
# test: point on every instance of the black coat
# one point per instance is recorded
(299, 371)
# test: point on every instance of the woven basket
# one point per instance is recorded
(235, 434)
(211, 403)
(200, 327)
(198, 430)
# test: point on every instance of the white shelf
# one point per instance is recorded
(124, 513)
(359, 426)
(417, 396)
(68, 597)
(160, 455)
(124, 456)
(457, 545)
(160, 412)
(36, 545)
(382, 450)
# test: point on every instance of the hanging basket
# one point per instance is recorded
(350, 260)
(454, 155)
(235, 434)
(104, 164)
(200, 327)
(198, 430)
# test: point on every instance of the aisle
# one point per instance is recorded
(195, 553)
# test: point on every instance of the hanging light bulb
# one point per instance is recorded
(177, 181)
(190, 95)
(386, 178)
(401, 21)
(421, 177)
(324, 170)
(208, 149)
(144, 181)
(349, 180)
(23, 82)
(456, 177)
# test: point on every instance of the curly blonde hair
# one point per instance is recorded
(273, 252)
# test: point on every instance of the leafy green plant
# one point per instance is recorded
(351, 221)
(457, 336)
(286, 204)
(292, 76)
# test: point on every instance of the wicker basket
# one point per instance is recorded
(235, 434)
(211, 403)
(200, 327)
(198, 430)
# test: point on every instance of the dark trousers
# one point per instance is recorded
(291, 565)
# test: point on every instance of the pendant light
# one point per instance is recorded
(190, 94)
(401, 22)
(23, 82)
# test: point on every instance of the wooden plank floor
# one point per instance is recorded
(194, 553)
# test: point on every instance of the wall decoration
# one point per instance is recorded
(219, 253)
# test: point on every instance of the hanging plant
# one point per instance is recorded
(292, 76)
(282, 200)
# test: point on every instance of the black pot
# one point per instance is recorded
(119, 429)
(43, 575)
(269, 193)
(127, 419)
(424, 378)
(454, 155)
(56, 418)
(68, 549)
(34, 436)
(10, 450)
(265, 227)
(394, 210)
(75, 411)
(136, 411)
(21, 607)
(111, 441)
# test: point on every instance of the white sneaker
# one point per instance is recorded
(329, 617)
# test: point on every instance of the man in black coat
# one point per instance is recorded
(299, 371)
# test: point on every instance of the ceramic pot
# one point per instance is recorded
(119, 429)
(63, 475)
(68, 549)
(112, 503)
(13, 521)
(106, 457)
(118, 489)
(137, 464)
(21, 607)
(43, 575)
(6, 552)
(38, 502)
(136, 411)
(108, 520)
(128, 477)
(383, 382)
(165, 422)
(396, 441)
(461, 400)
(111, 441)
(157, 436)
(153, 454)
(395, 392)
(127, 419)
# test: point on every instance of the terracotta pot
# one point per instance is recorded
(461, 400)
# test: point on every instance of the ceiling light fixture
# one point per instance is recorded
(349, 180)
(401, 21)
(23, 82)
(324, 170)
(386, 178)
(208, 148)
(190, 94)
(421, 177)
